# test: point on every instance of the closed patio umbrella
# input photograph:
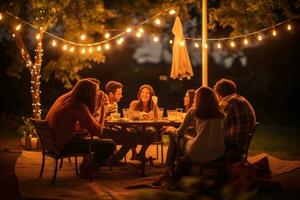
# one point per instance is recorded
(181, 65)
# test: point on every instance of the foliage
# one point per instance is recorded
(27, 128)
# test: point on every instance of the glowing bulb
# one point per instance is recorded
(170, 41)
(259, 38)
(107, 46)
(65, 47)
(99, 48)
(232, 44)
(54, 43)
(1, 16)
(82, 37)
(289, 27)
(157, 21)
(172, 12)
(205, 46)
(155, 39)
(18, 27)
(219, 45)
(141, 30)
(83, 50)
(120, 41)
(182, 43)
(38, 36)
(90, 50)
(72, 49)
(196, 45)
(128, 30)
(138, 34)
(274, 33)
(246, 41)
(107, 35)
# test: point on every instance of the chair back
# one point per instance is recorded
(237, 146)
(45, 135)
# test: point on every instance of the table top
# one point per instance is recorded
(125, 122)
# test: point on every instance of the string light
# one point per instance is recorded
(65, 47)
(219, 45)
(141, 30)
(1, 16)
(232, 44)
(107, 46)
(170, 41)
(54, 43)
(99, 48)
(259, 37)
(246, 41)
(83, 50)
(90, 50)
(196, 45)
(289, 27)
(155, 39)
(274, 33)
(82, 37)
(128, 30)
(157, 21)
(138, 35)
(18, 27)
(107, 35)
(38, 36)
(120, 41)
(72, 49)
(172, 12)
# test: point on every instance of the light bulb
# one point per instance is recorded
(128, 30)
(274, 33)
(172, 12)
(65, 47)
(107, 35)
(170, 41)
(155, 39)
(232, 44)
(246, 41)
(196, 45)
(141, 30)
(38, 36)
(157, 21)
(18, 27)
(90, 50)
(72, 49)
(120, 41)
(138, 34)
(54, 43)
(83, 50)
(205, 46)
(259, 38)
(82, 37)
(107, 46)
(1, 17)
(289, 27)
(99, 48)
(219, 45)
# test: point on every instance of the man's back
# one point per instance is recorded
(240, 117)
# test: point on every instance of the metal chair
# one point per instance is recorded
(51, 146)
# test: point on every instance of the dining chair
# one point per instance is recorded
(51, 146)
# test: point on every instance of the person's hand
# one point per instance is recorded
(155, 99)
(168, 130)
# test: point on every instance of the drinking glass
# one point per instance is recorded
(179, 114)
(160, 113)
(125, 113)
(172, 115)
(115, 116)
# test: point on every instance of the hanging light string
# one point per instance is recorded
(244, 35)
(100, 42)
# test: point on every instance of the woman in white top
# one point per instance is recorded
(208, 144)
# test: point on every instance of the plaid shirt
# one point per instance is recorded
(240, 116)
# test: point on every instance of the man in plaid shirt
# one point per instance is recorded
(240, 116)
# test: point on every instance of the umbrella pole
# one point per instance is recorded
(204, 44)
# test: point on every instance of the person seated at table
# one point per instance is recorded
(149, 110)
(117, 134)
(188, 99)
(73, 112)
(208, 144)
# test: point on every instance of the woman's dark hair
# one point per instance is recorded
(191, 94)
(225, 87)
(207, 106)
(84, 92)
(150, 105)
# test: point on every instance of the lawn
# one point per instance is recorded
(277, 140)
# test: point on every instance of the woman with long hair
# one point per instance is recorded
(147, 106)
(188, 99)
(208, 143)
(73, 112)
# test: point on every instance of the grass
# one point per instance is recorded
(277, 140)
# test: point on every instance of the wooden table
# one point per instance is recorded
(142, 123)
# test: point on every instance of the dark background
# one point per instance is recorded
(270, 80)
